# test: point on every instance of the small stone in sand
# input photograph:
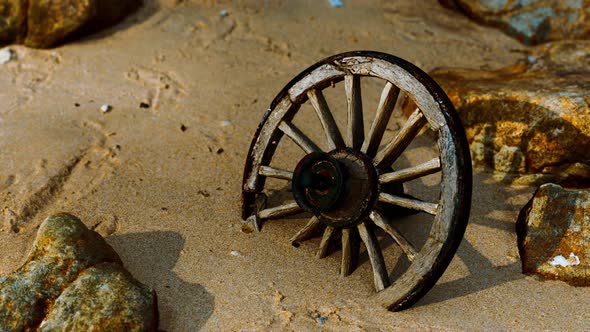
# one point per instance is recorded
(226, 123)
(106, 108)
(183, 128)
(223, 13)
(337, 3)
(236, 253)
(144, 105)
(6, 54)
(321, 320)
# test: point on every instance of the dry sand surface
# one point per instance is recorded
(168, 200)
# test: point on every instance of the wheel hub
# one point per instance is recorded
(339, 187)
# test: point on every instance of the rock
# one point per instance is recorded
(6, 54)
(553, 232)
(45, 23)
(104, 297)
(530, 21)
(528, 118)
(68, 259)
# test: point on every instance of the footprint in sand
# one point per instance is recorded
(48, 189)
(162, 89)
(27, 73)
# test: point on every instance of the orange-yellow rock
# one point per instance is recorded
(529, 118)
(553, 232)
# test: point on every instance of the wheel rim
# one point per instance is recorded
(433, 109)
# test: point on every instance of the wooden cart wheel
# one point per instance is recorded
(347, 186)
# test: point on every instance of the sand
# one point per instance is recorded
(162, 183)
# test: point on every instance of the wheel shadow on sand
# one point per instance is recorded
(483, 272)
(151, 258)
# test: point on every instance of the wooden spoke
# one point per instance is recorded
(323, 111)
(284, 210)
(384, 224)
(394, 149)
(298, 137)
(307, 230)
(411, 173)
(389, 97)
(275, 173)
(409, 203)
(350, 250)
(323, 250)
(355, 131)
(375, 256)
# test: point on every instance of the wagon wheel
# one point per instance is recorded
(348, 186)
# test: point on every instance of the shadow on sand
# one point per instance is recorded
(151, 257)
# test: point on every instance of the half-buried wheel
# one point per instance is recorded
(354, 183)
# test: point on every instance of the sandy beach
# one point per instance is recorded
(159, 175)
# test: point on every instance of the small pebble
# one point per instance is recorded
(337, 3)
(144, 105)
(322, 320)
(6, 54)
(531, 59)
(236, 253)
(223, 13)
(106, 108)
(226, 123)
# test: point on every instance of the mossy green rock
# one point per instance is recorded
(104, 297)
(45, 23)
(65, 257)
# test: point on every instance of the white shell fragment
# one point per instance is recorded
(236, 253)
(226, 123)
(6, 55)
(572, 260)
(106, 108)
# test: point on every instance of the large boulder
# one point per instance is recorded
(530, 21)
(553, 232)
(45, 23)
(69, 265)
(532, 118)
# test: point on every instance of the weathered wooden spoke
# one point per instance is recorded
(350, 251)
(298, 137)
(325, 243)
(276, 173)
(394, 149)
(409, 203)
(280, 211)
(380, 275)
(411, 173)
(387, 104)
(350, 189)
(355, 130)
(403, 243)
(307, 231)
(333, 135)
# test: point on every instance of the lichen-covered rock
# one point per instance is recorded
(104, 297)
(553, 232)
(64, 251)
(530, 21)
(45, 23)
(529, 118)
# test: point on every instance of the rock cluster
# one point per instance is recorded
(45, 23)
(553, 230)
(74, 281)
(530, 21)
(530, 118)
